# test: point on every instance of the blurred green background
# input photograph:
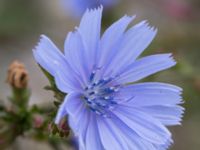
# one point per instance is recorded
(178, 23)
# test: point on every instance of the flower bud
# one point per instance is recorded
(38, 121)
(17, 75)
(64, 129)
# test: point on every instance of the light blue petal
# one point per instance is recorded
(122, 135)
(143, 124)
(62, 112)
(65, 83)
(48, 55)
(82, 127)
(134, 42)
(133, 140)
(164, 146)
(144, 67)
(79, 118)
(70, 105)
(75, 54)
(109, 139)
(150, 94)
(90, 28)
(167, 115)
(156, 86)
(92, 135)
(158, 100)
(51, 59)
(74, 105)
(110, 40)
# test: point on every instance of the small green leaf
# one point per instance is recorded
(56, 103)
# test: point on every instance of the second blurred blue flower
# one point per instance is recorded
(78, 7)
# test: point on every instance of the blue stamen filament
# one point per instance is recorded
(99, 96)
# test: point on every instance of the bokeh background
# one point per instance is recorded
(178, 23)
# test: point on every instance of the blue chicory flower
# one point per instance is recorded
(105, 111)
(78, 7)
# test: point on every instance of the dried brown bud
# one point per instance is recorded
(17, 75)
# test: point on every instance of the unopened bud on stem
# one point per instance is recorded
(17, 75)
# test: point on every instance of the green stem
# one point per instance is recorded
(20, 96)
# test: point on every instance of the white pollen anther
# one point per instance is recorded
(112, 88)
(89, 100)
(96, 82)
(106, 97)
(116, 90)
(96, 92)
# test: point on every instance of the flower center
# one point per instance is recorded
(99, 95)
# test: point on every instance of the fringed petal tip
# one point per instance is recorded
(42, 39)
(145, 24)
(92, 10)
(170, 59)
(132, 17)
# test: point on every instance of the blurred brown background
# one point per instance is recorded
(178, 23)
